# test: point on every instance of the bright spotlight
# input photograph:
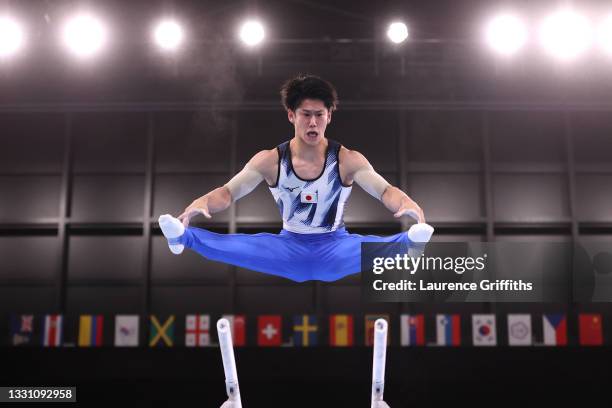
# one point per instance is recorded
(506, 34)
(85, 35)
(605, 35)
(252, 33)
(397, 32)
(11, 36)
(566, 34)
(168, 35)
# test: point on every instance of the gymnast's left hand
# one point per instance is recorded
(409, 207)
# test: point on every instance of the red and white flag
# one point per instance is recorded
(53, 331)
(238, 328)
(197, 330)
(269, 330)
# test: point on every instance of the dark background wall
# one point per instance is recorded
(91, 156)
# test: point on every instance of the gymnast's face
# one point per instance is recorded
(310, 120)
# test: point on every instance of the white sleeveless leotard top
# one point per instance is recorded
(310, 206)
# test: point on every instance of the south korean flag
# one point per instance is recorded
(483, 330)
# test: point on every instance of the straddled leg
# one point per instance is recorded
(299, 257)
(274, 254)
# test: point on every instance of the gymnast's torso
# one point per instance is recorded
(307, 204)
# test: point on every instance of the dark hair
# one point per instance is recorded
(305, 86)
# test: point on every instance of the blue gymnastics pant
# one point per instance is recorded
(327, 256)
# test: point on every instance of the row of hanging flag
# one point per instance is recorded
(301, 331)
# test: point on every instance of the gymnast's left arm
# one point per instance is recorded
(361, 171)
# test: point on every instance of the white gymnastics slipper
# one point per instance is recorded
(172, 228)
(421, 232)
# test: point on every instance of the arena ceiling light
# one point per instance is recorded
(397, 32)
(84, 35)
(605, 35)
(506, 34)
(11, 36)
(566, 34)
(252, 32)
(168, 35)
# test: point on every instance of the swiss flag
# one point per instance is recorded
(269, 330)
(590, 330)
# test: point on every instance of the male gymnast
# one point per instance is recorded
(310, 178)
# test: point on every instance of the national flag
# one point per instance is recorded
(484, 331)
(413, 330)
(238, 328)
(519, 330)
(127, 330)
(22, 329)
(161, 334)
(305, 330)
(448, 330)
(91, 330)
(341, 330)
(308, 197)
(590, 329)
(197, 330)
(555, 329)
(52, 330)
(269, 330)
(370, 321)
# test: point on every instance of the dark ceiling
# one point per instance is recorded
(341, 40)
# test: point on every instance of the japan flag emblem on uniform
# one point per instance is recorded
(308, 197)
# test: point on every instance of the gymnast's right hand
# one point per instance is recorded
(199, 206)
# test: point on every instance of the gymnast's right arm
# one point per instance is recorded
(261, 167)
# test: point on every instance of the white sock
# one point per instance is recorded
(172, 228)
(421, 232)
